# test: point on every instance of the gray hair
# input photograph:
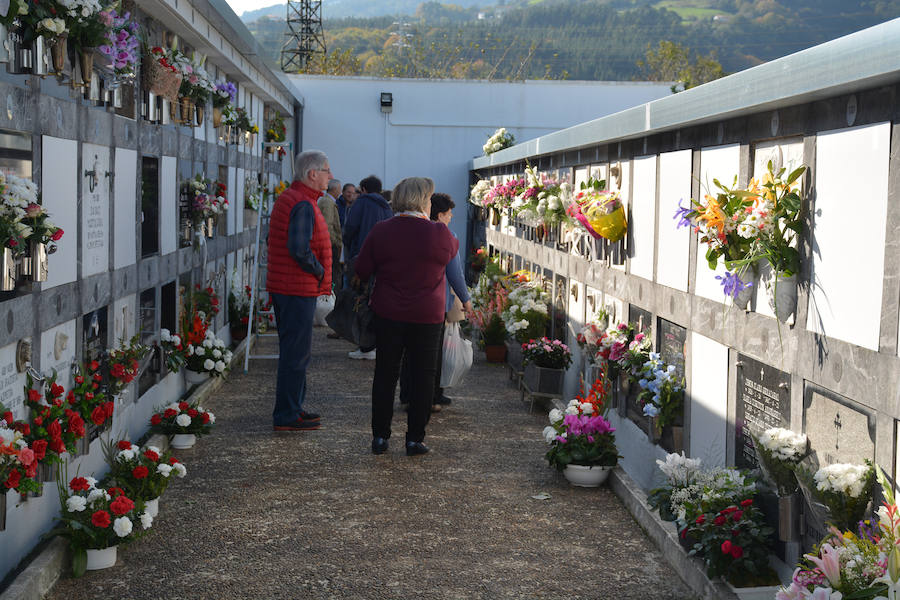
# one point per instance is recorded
(334, 185)
(412, 193)
(307, 161)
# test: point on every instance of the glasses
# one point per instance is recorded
(327, 170)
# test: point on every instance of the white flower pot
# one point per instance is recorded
(151, 507)
(766, 592)
(782, 292)
(101, 559)
(194, 377)
(586, 476)
(183, 440)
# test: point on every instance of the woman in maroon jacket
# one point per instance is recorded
(407, 254)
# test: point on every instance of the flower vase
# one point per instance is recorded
(195, 377)
(653, 430)
(250, 218)
(586, 475)
(198, 114)
(103, 558)
(39, 56)
(4, 50)
(173, 112)
(238, 332)
(782, 293)
(151, 507)
(58, 54)
(543, 380)
(495, 217)
(748, 276)
(86, 61)
(210, 227)
(35, 262)
(187, 111)
(789, 518)
(183, 441)
(495, 353)
(7, 271)
(217, 117)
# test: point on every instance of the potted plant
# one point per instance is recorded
(184, 422)
(662, 397)
(546, 362)
(144, 476)
(205, 355)
(95, 521)
(238, 310)
(778, 452)
(489, 301)
(582, 444)
(525, 318)
(499, 140)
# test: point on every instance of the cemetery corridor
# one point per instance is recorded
(316, 515)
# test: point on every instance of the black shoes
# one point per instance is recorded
(443, 400)
(307, 416)
(379, 445)
(415, 448)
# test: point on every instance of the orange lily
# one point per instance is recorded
(712, 214)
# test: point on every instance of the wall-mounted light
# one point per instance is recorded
(387, 102)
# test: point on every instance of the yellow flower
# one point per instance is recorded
(712, 214)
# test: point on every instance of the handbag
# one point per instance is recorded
(352, 318)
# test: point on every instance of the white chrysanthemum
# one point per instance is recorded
(208, 365)
(842, 478)
(549, 434)
(122, 526)
(207, 343)
(164, 469)
(125, 455)
(146, 520)
(212, 418)
(555, 415)
(180, 470)
(587, 408)
(217, 353)
(220, 366)
(182, 420)
(572, 410)
(95, 494)
(784, 444)
(76, 503)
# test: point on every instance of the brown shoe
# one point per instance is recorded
(334, 335)
(436, 408)
(298, 425)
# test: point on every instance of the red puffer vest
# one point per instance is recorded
(284, 274)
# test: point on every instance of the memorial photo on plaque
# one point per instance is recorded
(93, 347)
(640, 318)
(762, 401)
(671, 339)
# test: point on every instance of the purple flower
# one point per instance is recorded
(732, 284)
(682, 215)
(105, 50)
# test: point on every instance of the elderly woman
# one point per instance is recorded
(408, 255)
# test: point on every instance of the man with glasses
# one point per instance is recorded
(369, 209)
(299, 271)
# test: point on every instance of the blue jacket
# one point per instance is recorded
(343, 209)
(457, 281)
(368, 210)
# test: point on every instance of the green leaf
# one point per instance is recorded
(795, 174)
(79, 561)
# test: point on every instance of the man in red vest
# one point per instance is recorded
(299, 272)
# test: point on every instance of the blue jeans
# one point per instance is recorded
(294, 319)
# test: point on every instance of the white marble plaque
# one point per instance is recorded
(581, 176)
(125, 185)
(709, 399)
(674, 187)
(722, 163)
(848, 268)
(787, 153)
(168, 205)
(12, 383)
(576, 305)
(622, 183)
(124, 319)
(615, 310)
(59, 181)
(642, 229)
(235, 200)
(58, 351)
(95, 210)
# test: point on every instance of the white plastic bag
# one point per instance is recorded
(457, 357)
(324, 305)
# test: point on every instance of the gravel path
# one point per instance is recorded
(315, 515)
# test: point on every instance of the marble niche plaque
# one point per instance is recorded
(95, 210)
(762, 401)
(642, 319)
(839, 429)
(671, 341)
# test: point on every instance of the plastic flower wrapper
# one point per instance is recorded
(499, 140)
(478, 191)
(663, 391)
(599, 211)
(837, 494)
(778, 452)
(526, 314)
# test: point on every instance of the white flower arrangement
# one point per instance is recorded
(843, 478)
(211, 356)
(476, 195)
(498, 141)
(784, 444)
(527, 307)
(679, 469)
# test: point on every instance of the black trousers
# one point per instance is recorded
(406, 374)
(422, 343)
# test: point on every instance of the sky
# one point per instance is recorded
(240, 6)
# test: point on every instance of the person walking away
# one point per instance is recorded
(299, 271)
(345, 201)
(368, 210)
(408, 255)
(442, 206)
(328, 205)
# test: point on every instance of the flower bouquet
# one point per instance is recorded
(547, 353)
(182, 418)
(57, 424)
(88, 398)
(599, 211)
(124, 364)
(196, 83)
(173, 349)
(682, 473)
(498, 141)
(542, 199)
(612, 347)
(581, 437)
(636, 356)
(94, 518)
(224, 94)
(204, 302)
(121, 44)
(662, 394)
(18, 461)
(778, 452)
(489, 300)
(16, 195)
(142, 475)
(478, 259)
(479, 191)
(210, 356)
(525, 316)
(160, 74)
(204, 205)
(838, 494)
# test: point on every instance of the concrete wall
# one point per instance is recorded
(437, 126)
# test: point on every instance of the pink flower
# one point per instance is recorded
(829, 563)
(33, 210)
(26, 456)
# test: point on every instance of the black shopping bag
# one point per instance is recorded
(352, 318)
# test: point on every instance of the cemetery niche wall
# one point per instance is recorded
(104, 152)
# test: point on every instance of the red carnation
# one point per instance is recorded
(98, 377)
(117, 371)
(12, 482)
(140, 472)
(38, 421)
(121, 505)
(726, 547)
(101, 519)
(23, 428)
(736, 551)
(79, 484)
(124, 445)
(34, 396)
(56, 390)
(109, 408)
(719, 520)
(57, 445)
(40, 448)
(156, 419)
(98, 415)
(89, 395)
(170, 413)
(737, 515)
(79, 379)
(95, 385)
(54, 429)
(71, 397)
(94, 365)
(57, 234)
(205, 418)
(183, 405)
(31, 470)
(173, 460)
(747, 502)
(700, 520)
(151, 455)
(115, 491)
(8, 417)
(192, 413)
(76, 425)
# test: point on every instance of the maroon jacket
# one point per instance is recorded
(284, 274)
(408, 257)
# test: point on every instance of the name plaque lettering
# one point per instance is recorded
(671, 340)
(763, 400)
